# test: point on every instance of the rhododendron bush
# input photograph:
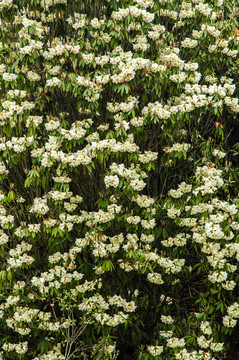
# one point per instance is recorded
(118, 179)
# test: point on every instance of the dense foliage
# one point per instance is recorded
(119, 179)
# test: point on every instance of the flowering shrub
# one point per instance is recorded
(118, 196)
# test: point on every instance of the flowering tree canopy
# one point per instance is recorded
(118, 179)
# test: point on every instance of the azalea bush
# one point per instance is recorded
(119, 179)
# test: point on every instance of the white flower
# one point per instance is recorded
(233, 310)
(172, 212)
(148, 224)
(218, 276)
(9, 77)
(155, 278)
(189, 43)
(111, 180)
(216, 346)
(53, 82)
(229, 321)
(203, 342)
(40, 206)
(218, 153)
(175, 342)
(206, 328)
(155, 350)
(214, 231)
(133, 219)
(167, 319)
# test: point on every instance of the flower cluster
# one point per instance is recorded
(111, 116)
